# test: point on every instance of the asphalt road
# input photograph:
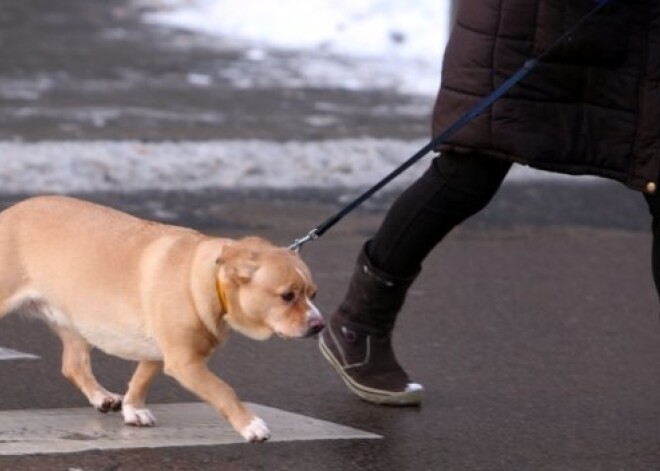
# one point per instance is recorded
(77, 69)
(534, 327)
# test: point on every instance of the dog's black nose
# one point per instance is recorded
(315, 328)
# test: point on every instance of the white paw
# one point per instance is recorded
(104, 401)
(138, 417)
(256, 431)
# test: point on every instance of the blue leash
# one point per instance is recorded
(486, 102)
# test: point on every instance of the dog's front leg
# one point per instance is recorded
(193, 374)
(133, 408)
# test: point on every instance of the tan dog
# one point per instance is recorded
(161, 295)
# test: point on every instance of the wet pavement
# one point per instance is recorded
(534, 327)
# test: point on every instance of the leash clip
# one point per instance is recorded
(298, 243)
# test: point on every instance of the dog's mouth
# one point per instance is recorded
(313, 331)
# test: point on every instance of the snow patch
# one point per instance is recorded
(69, 167)
(401, 43)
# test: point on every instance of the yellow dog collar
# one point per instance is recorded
(222, 296)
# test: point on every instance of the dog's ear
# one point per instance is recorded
(239, 263)
(242, 272)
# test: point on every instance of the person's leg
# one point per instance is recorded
(454, 188)
(357, 341)
(654, 207)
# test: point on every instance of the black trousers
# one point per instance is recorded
(454, 188)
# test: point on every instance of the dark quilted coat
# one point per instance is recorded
(593, 107)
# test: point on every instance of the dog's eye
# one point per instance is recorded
(288, 297)
(312, 296)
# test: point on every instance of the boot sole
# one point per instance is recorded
(373, 395)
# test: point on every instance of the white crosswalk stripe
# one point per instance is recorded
(9, 354)
(184, 424)
(84, 166)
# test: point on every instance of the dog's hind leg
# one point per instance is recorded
(133, 408)
(77, 368)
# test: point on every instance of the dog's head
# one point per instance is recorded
(267, 290)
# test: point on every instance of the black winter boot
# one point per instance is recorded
(357, 340)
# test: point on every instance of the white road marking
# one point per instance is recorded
(79, 166)
(184, 424)
(9, 354)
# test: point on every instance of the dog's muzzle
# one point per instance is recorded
(316, 325)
